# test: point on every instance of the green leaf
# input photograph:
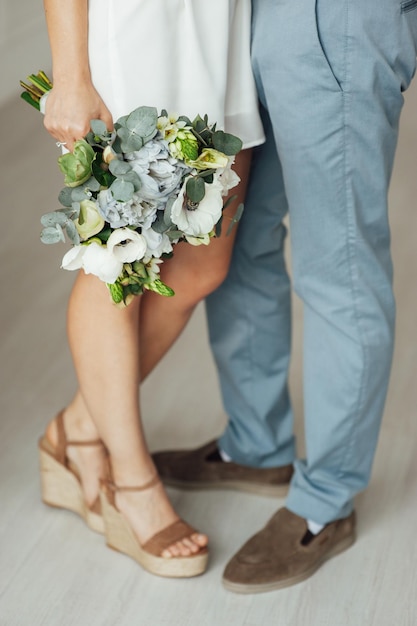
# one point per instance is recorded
(195, 189)
(103, 235)
(226, 143)
(235, 218)
(218, 227)
(28, 98)
(103, 177)
(129, 141)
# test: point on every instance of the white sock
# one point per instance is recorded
(225, 457)
(314, 527)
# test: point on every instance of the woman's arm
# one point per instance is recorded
(73, 101)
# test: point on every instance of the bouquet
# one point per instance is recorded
(130, 195)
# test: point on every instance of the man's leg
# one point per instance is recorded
(332, 76)
(249, 324)
(249, 318)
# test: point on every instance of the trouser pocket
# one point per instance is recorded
(409, 5)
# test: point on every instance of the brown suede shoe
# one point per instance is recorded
(202, 468)
(285, 553)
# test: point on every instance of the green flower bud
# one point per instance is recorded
(77, 165)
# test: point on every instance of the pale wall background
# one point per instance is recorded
(24, 47)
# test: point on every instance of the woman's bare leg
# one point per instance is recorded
(103, 340)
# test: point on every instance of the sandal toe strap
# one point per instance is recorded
(168, 536)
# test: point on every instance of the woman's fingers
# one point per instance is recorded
(68, 115)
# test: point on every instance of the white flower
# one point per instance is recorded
(157, 243)
(201, 221)
(73, 259)
(99, 261)
(93, 259)
(126, 245)
(227, 177)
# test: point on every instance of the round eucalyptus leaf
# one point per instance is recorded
(53, 218)
(51, 235)
(92, 184)
(118, 168)
(98, 127)
(195, 189)
(64, 196)
(79, 194)
(129, 141)
(226, 143)
(121, 190)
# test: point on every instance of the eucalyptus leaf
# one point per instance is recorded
(174, 234)
(72, 233)
(53, 218)
(130, 142)
(79, 194)
(142, 121)
(121, 190)
(159, 225)
(235, 218)
(92, 184)
(64, 196)
(226, 143)
(51, 235)
(218, 227)
(98, 127)
(195, 189)
(117, 167)
(167, 211)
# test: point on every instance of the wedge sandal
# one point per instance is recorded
(121, 537)
(60, 480)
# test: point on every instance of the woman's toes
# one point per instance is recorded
(199, 539)
(193, 547)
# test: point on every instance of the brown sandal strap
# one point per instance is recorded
(113, 487)
(168, 536)
(63, 442)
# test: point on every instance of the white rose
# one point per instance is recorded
(202, 220)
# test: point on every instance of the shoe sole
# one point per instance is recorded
(120, 537)
(294, 580)
(61, 489)
(273, 491)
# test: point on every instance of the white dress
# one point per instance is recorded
(186, 56)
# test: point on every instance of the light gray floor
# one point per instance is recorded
(55, 572)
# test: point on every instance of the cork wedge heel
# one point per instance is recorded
(120, 537)
(60, 481)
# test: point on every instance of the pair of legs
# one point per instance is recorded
(330, 76)
(113, 351)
